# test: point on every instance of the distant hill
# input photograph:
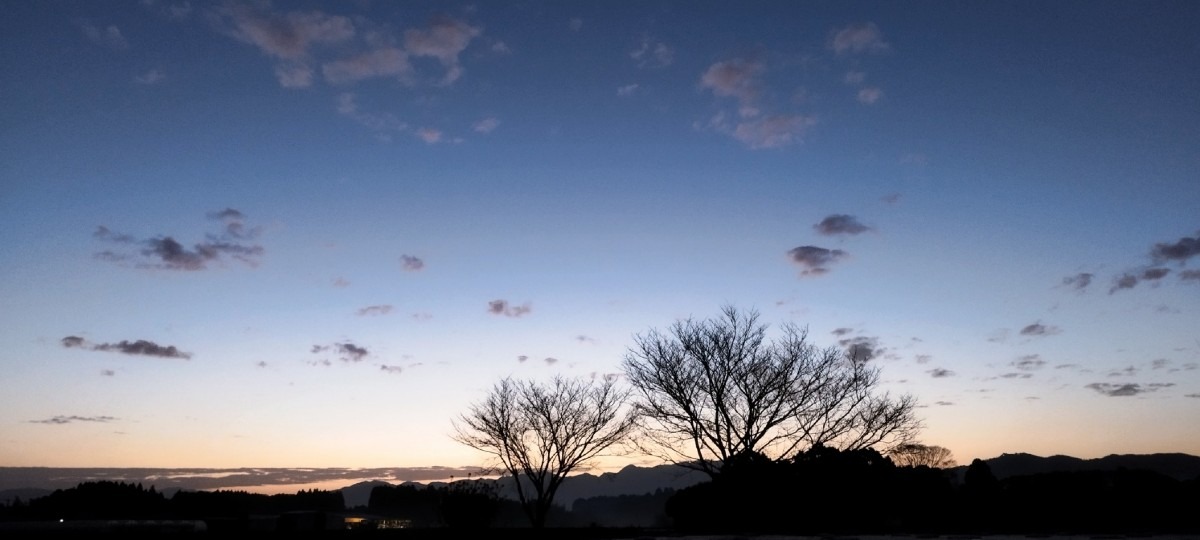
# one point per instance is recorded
(1177, 466)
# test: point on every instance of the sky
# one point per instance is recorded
(311, 234)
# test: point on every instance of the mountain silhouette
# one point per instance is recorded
(1177, 466)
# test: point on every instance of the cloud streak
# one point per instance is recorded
(836, 224)
(166, 253)
(503, 307)
(815, 260)
(61, 420)
(1127, 389)
(140, 347)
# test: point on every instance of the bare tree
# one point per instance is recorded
(918, 455)
(709, 390)
(540, 433)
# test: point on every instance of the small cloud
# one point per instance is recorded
(1192, 395)
(627, 90)
(891, 198)
(870, 95)
(340, 283)
(422, 316)
(735, 78)
(164, 252)
(261, 364)
(390, 369)
(575, 24)
(411, 263)
(139, 347)
(1126, 281)
(109, 36)
(815, 260)
(346, 351)
(858, 38)
(863, 348)
(584, 339)
(382, 309)
(854, 77)
(1190, 275)
(943, 403)
(939, 373)
(1155, 274)
(842, 331)
(59, 420)
(500, 47)
(653, 55)
(1039, 329)
(1181, 251)
(381, 62)
(487, 125)
(444, 40)
(773, 131)
(1128, 389)
(923, 358)
(502, 307)
(107, 373)
(1159, 363)
(153, 76)
(1029, 362)
(1079, 281)
(429, 135)
(840, 224)
(550, 361)
(522, 358)
(1017, 376)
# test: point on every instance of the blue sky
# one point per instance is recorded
(309, 234)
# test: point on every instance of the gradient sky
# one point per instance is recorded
(309, 234)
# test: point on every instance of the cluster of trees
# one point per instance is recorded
(702, 394)
(120, 500)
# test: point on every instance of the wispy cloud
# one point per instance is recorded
(815, 260)
(381, 309)
(287, 37)
(429, 135)
(627, 90)
(167, 253)
(390, 369)
(575, 24)
(773, 131)
(381, 62)
(345, 351)
(59, 420)
(858, 38)
(939, 373)
(869, 95)
(153, 76)
(1039, 329)
(109, 36)
(1130, 280)
(411, 263)
(737, 78)
(444, 40)
(1128, 389)
(1190, 275)
(502, 307)
(1079, 281)
(653, 55)
(1182, 250)
(140, 347)
(486, 125)
(840, 224)
(1029, 362)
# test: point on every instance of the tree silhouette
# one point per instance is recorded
(921, 455)
(709, 390)
(542, 432)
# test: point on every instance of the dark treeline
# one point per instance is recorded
(827, 491)
(820, 491)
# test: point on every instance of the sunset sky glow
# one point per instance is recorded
(309, 234)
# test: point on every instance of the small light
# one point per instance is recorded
(60, 520)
